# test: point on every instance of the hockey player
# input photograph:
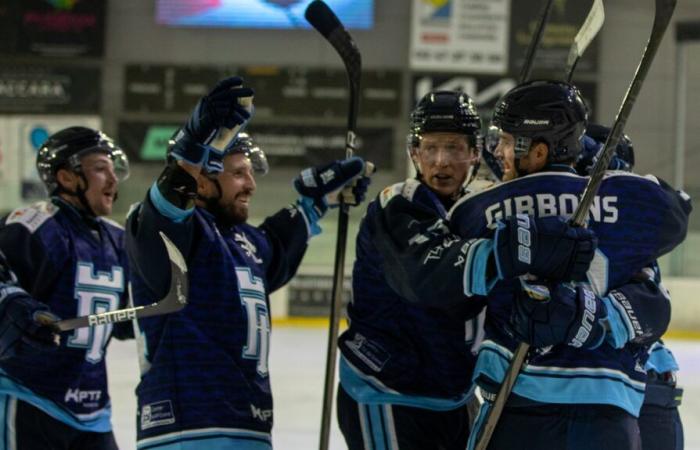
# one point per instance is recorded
(205, 379)
(581, 355)
(659, 420)
(69, 261)
(583, 384)
(406, 361)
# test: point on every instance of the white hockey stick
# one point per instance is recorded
(586, 34)
(175, 299)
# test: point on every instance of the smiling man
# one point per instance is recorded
(205, 379)
(70, 261)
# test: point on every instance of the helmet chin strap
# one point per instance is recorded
(79, 193)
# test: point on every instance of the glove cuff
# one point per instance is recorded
(311, 214)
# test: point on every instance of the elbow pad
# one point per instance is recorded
(177, 186)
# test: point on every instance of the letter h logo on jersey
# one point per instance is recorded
(524, 239)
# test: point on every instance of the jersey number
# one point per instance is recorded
(95, 293)
(252, 292)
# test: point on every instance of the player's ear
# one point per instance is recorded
(67, 179)
(205, 186)
(539, 153)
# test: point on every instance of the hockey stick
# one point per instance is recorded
(175, 299)
(588, 31)
(321, 17)
(534, 42)
(662, 17)
(586, 34)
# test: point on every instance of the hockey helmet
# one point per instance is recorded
(552, 112)
(65, 149)
(244, 144)
(446, 111)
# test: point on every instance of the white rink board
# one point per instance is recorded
(297, 363)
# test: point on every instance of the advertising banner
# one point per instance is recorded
(280, 91)
(49, 89)
(460, 35)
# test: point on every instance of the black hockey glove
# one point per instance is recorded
(547, 247)
(24, 324)
(225, 106)
(315, 183)
(559, 314)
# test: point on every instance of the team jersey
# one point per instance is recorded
(402, 350)
(636, 219)
(77, 265)
(204, 369)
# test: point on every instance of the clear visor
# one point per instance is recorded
(258, 160)
(119, 159)
(449, 151)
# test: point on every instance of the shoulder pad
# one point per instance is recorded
(405, 188)
(32, 216)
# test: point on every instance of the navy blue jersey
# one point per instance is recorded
(398, 350)
(636, 219)
(205, 371)
(77, 266)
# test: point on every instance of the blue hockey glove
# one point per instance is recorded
(24, 323)
(314, 183)
(547, 247)
(559, 314)
(222, 107)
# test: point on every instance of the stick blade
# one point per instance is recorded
(179, 287)
(586, 34)
(321, 17)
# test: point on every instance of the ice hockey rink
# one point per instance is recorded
(297, 364)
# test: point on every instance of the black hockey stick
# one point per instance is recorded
(591, 25)
(535, 42)
(175, 300)
(589, 30)
(325, 21)
(662, 17)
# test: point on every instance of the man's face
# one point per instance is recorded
(444, 160)
(237, 187)
(102, 182)
(505, 152)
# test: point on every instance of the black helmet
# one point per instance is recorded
(552, 112)
(448, 111)
(244, 144)
(64, 150)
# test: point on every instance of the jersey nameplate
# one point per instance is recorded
(32, 216)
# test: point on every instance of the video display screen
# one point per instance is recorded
(354, 14)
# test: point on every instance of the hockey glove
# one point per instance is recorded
(24, 324)
(222, 107)
(559, 314)
(314, 183)
(547, 247)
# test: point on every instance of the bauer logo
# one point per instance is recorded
(111, 317)
(536, 122)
